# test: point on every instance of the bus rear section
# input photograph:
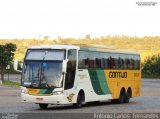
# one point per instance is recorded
(114, 75)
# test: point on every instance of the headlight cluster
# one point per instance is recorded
(57, 92)
(25, 91)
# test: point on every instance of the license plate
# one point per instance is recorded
(39, 99)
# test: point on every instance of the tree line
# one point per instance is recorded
(6, 57)
(147, 46)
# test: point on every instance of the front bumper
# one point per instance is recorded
(51, 99)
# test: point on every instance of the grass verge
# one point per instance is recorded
(150, 76)
(11, 83)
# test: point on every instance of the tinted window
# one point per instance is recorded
(45, 55)
(102, 60)
(71, 69)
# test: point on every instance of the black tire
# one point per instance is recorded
(114, 101)
(79, 101)
(43, 106)
(93, 103)
(128, 96)
(121, 96)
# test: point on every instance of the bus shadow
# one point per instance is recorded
(87, 105)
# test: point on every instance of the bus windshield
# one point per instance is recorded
(42, 74)
(43, 68)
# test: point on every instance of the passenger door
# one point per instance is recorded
(70, 75)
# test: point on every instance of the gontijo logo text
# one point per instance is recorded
(117, 74)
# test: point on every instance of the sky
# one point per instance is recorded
(77, 18)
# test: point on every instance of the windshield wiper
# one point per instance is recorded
(38, 75)
(43, 78)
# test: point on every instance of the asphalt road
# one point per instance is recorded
(148, 102)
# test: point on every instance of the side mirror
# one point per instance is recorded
(15, 65)
(64, 66)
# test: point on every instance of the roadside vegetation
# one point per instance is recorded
(151, 67)
(6, 57)
(146, 45)
(11, 83)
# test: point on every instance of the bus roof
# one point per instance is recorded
(55, 47)
(86, 48)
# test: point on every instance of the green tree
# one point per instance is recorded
(151, 66)
(6, 56)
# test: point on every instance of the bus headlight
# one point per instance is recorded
(57, 92)
(24, 91)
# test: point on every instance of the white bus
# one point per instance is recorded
(67, 74)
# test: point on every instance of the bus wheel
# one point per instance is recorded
(79, 100)
(122, 96)
(114, 101)
(128, 96)
(43, 106)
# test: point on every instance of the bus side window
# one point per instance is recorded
(136, 64)
(83, 60)
(111, 62)
(86, 63)
(104, 60)
(101, 60)
(91, 57)
(102, 63)
(71, 69)
(119, 63)
(97, 60)
(116, 61)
